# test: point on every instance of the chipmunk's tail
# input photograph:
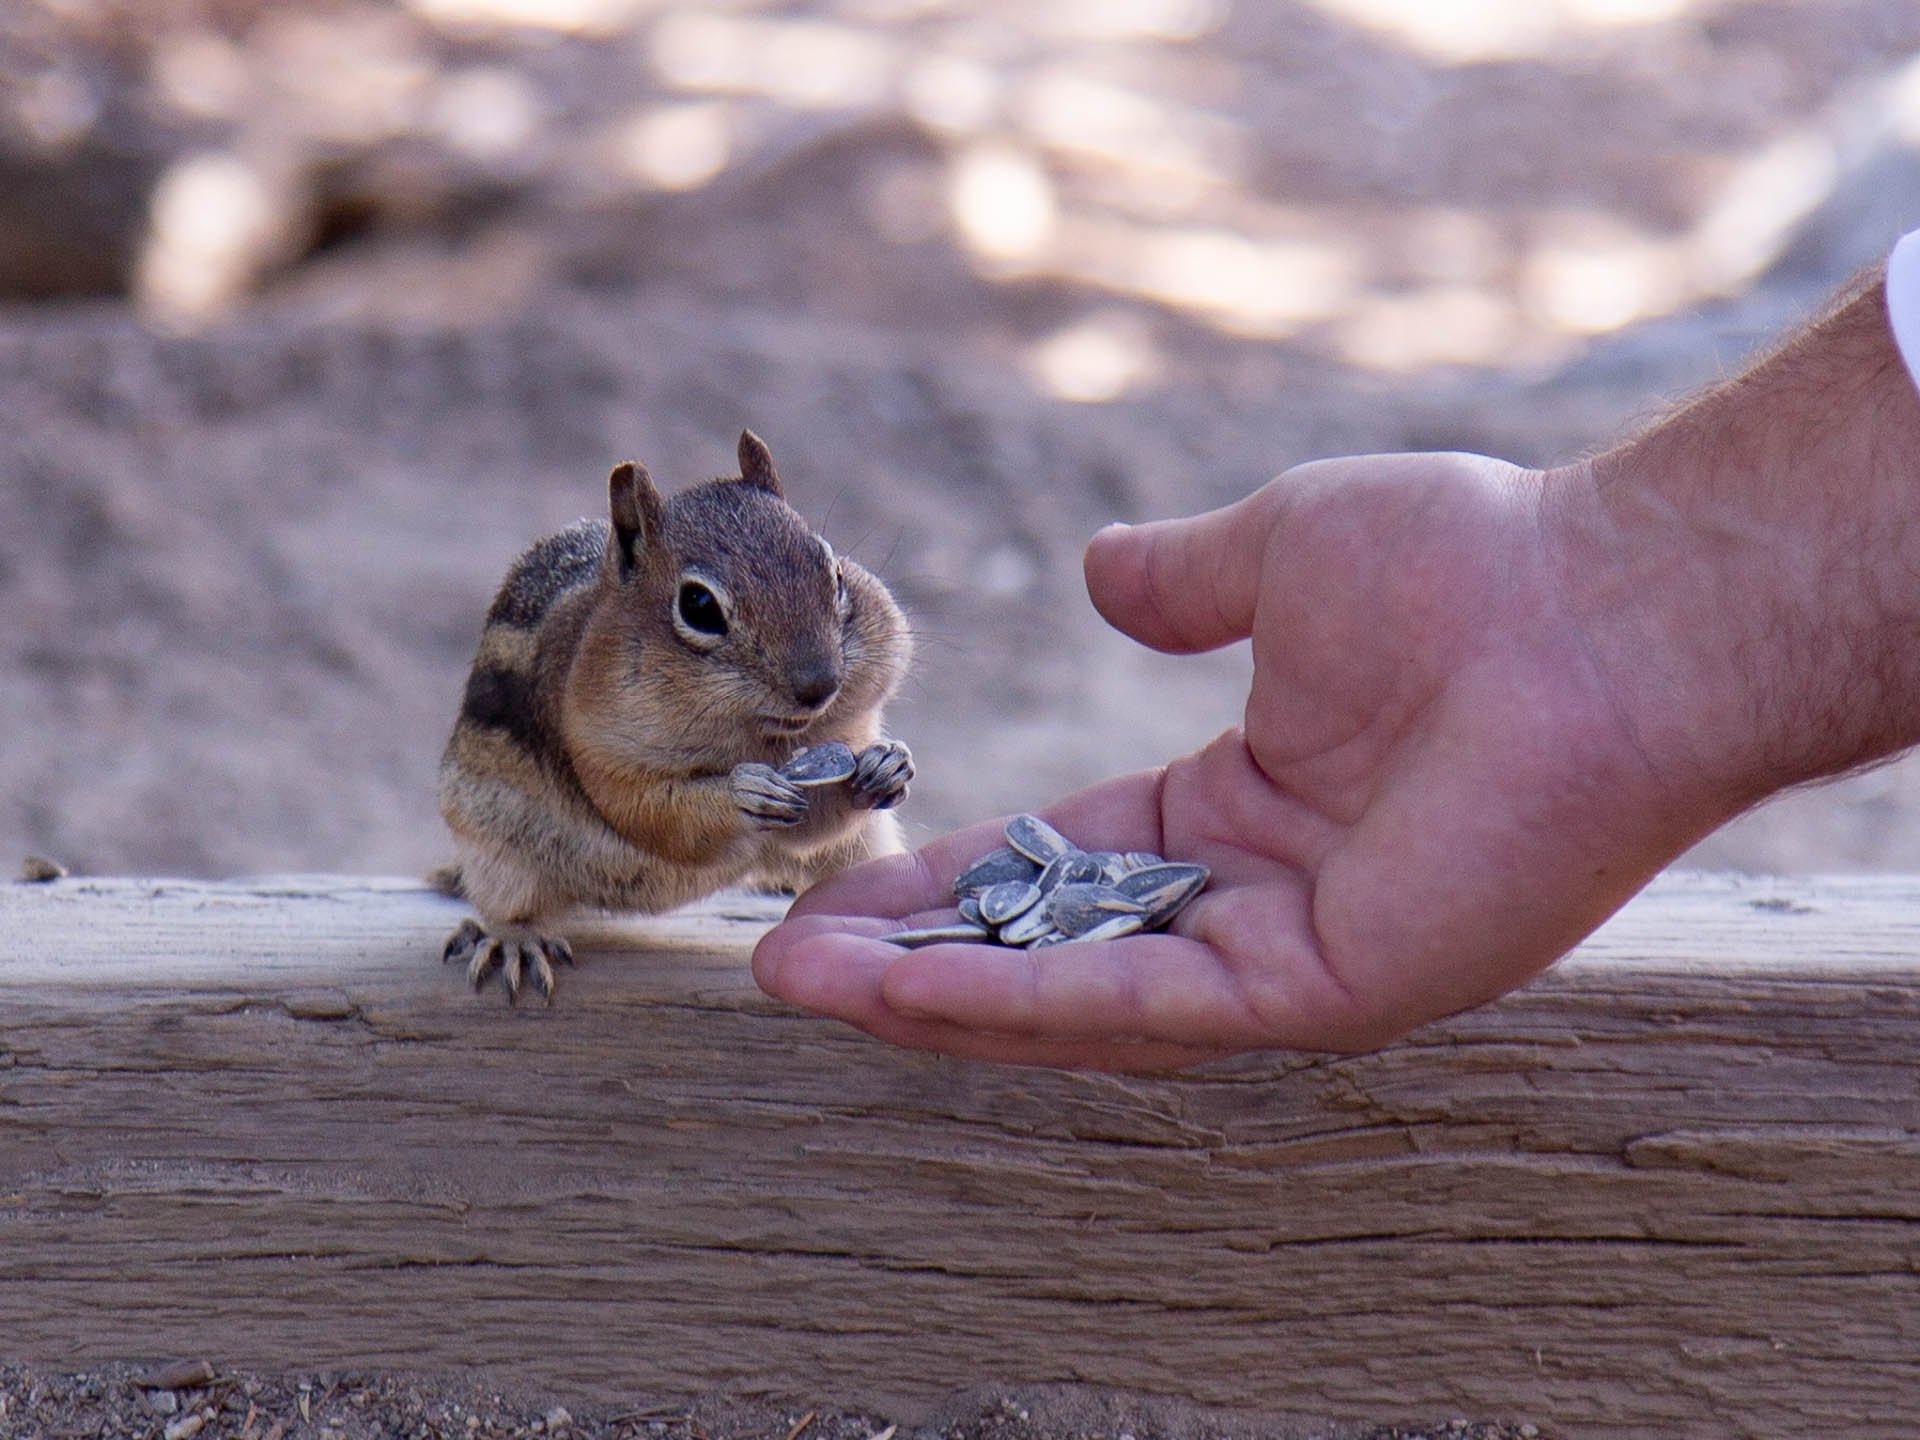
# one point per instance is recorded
(447, 880)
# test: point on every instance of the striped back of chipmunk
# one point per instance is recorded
(502, 696)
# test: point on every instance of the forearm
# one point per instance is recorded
(1749, 569)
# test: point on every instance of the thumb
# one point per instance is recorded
(1184, 585)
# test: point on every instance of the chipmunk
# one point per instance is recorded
(637, 683)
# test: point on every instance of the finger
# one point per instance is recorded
(1189, 584)
(838, 973)
(789, 932)
(896, 885)
(835, 978)
(1161, 988)
(1143, 1057)
(1242, 970)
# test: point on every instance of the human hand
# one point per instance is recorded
(1440, 787)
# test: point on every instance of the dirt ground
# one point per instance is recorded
(124, 1401)
(311, 316)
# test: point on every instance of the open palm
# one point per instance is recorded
(1443, 781)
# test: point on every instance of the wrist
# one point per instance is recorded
(1748, 572)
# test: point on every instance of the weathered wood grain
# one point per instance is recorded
(1673, 1187)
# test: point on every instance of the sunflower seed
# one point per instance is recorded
(827, 764)
(959, 932)
(1076, 909)
(1108, 929)
(1041, 889)
(1006, 900)
(1037, 840)
(1079, 868)
(1164, 889)
(992, 869)
(1029, 924)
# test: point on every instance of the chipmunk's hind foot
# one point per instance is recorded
(520, 958)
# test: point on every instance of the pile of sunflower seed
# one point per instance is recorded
(1041, 889)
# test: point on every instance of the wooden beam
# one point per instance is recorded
(1669, 1188)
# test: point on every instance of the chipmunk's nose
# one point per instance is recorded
(815, 686)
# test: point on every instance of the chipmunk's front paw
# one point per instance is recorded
(880, 775)
(766, 797)
(518, 956)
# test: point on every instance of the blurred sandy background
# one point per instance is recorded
(312, 315)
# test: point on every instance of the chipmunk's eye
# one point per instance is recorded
(700, 609)
(842, 601)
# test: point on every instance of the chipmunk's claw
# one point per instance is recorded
(519, 958)
(488, 956)
(460, 944)
(766, 797)
(880, 775)
(539, 954)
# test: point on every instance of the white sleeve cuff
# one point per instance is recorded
(1903, 300)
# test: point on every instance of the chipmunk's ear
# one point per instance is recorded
(637, 512)
(756, 464)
